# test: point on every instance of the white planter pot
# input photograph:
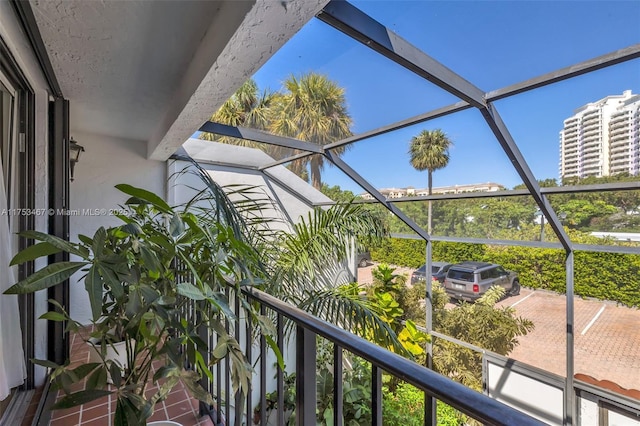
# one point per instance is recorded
(116, 352)
(164, 423)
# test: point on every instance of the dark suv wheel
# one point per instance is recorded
(515, 288)
(363, 259)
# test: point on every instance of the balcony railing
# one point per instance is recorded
(306, 330)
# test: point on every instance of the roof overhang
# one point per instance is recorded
(155, 71)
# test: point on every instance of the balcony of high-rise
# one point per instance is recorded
(591, 136)
(592, 171)
(591, 129)
(569, 140)
(618, 125)
(591, 141)
(593, 115)
(619, 156)
(591, 124)
(621, 148)
(623, 132)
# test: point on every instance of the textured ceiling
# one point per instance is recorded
(154, 71)
(119, 62)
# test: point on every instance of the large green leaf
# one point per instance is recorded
(145, 195)
(97, 380)
(53, 316)
(45, 363)
(33, 252)
(81, 371)
(93, 285)
(98, 241)
(276, 350)
(112, 280)
(116, 374)
(79, 398)
(126, 412)
(150, 258)
(85, 240)
(190, 291)
(46, 277)
(56, 242)
(191, 380)
(132, 228)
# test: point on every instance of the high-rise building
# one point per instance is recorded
(602, 138)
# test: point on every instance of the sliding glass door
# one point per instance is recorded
(17, 162)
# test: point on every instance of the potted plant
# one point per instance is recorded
(139, 277)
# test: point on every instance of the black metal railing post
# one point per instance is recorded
(305, 377)
(263, 374)
(280, 372)
(376, 396)
(338, 396)
(308, 327)
(238, 402)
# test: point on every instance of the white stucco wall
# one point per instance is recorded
(290, 208)
(105, 163)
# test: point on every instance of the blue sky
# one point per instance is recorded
(490, 43)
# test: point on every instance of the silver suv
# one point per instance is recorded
(470, 280)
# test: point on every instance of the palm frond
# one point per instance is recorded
(326, 235)
(348, 307)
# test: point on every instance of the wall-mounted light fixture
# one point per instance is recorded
(74, 155)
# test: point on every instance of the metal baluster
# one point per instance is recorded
(249, 344)
(263, 374)
(338, 398)
(280, 373)
(305, 377)
(376, 396)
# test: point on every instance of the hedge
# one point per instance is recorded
(606, 276)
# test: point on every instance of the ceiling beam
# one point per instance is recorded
(259, 136)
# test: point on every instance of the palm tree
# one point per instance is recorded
(313, 109)
(246, 107)
(304, 262)
(429, 150)
(299, 264)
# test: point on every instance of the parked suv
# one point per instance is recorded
(438, 272)
(470, 280)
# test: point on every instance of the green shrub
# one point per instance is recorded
(412, 253)
(608, 276)
(396, 251)
(405, 407)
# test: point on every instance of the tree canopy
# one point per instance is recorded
(310, 108)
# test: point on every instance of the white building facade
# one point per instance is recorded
(410, 191)
(602, 138)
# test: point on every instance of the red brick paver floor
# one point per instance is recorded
(606, 341)
(178, 406)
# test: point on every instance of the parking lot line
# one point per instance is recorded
(593, 320)
(523, 299)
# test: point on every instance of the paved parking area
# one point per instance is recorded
(606, 336)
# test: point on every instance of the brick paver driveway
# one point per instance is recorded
(606, 336)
